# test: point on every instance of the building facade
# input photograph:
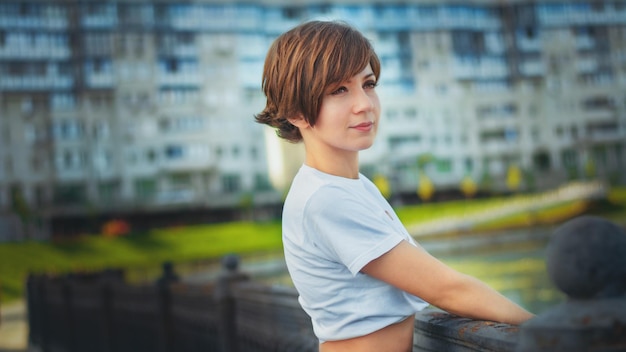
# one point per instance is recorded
(137, 105)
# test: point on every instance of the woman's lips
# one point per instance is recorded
(364, 127)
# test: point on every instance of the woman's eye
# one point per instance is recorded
(371, 84)
(339, 91)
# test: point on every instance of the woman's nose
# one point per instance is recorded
(364, 101)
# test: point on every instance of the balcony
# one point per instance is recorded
(587, 64)
(500, 148)
(584, 42)
(99, 21)
(532, 68)
(103, 80)
(604, 131)
(35, 46)
(479, 68)
(34, 52)
(33, 82)
(47, 23)
(526, 44)
(180, 79)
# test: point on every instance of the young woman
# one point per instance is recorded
(359, 274)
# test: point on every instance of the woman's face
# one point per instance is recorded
(349, 115)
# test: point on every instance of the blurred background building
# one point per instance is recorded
(137, 106)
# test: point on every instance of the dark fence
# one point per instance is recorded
(100, 312)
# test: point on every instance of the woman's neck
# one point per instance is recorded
(343, 165)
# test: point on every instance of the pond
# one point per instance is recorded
(512, 262)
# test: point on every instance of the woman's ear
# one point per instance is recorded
(299, 121)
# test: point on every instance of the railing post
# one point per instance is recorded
(226, 305)
(44, 312)
(68, 302)
(165, 306)
(106, 300)
(586, 259)
(34, 308)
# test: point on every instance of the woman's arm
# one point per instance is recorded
(415, 271)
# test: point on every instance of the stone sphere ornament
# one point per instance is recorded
(586, 258)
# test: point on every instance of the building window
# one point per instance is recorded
(443, 165)
(262, 183)
(101, 131)
(8, 166)
(70, 160)
(62, 101)
(411, 113)
(180, 180)
(36, 164)
(469, 164)
(145, 188)
(109, 190)
(151, 156)
(231, 183)
(541, 161)
(536, 134)
(67, 130)
(174, 152)
(235, 151)
(66, 194)
(292, 13)
(569, 158)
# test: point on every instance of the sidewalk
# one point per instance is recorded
(13, 327)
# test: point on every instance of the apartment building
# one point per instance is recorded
(136, 105)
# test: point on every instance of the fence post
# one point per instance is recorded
(106, 300)
(43, 314)
(34, 307)
(165, 306)
(586, 259)
(68, 301)
(226, 304)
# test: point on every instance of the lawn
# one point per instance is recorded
(139, 251)
(145, 251)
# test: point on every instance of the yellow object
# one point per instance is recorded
(513, 177)
(425, 189)
(383, 185)
(468, 187)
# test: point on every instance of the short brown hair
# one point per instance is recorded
(302, 64)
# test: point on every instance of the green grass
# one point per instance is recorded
(139, 251)
(146, 251)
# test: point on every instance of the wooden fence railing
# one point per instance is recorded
(100, 312)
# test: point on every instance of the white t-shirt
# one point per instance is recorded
(332, 227)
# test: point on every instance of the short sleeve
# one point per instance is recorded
(348, 229)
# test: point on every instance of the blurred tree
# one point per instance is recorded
(486, 181)
(529, 180)
(572, 173)
(383, 186)
(513, 178)
(425, 188)
(423, 160)
(246, 205)
(468, 186)
(20, 207)
(590, 169)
